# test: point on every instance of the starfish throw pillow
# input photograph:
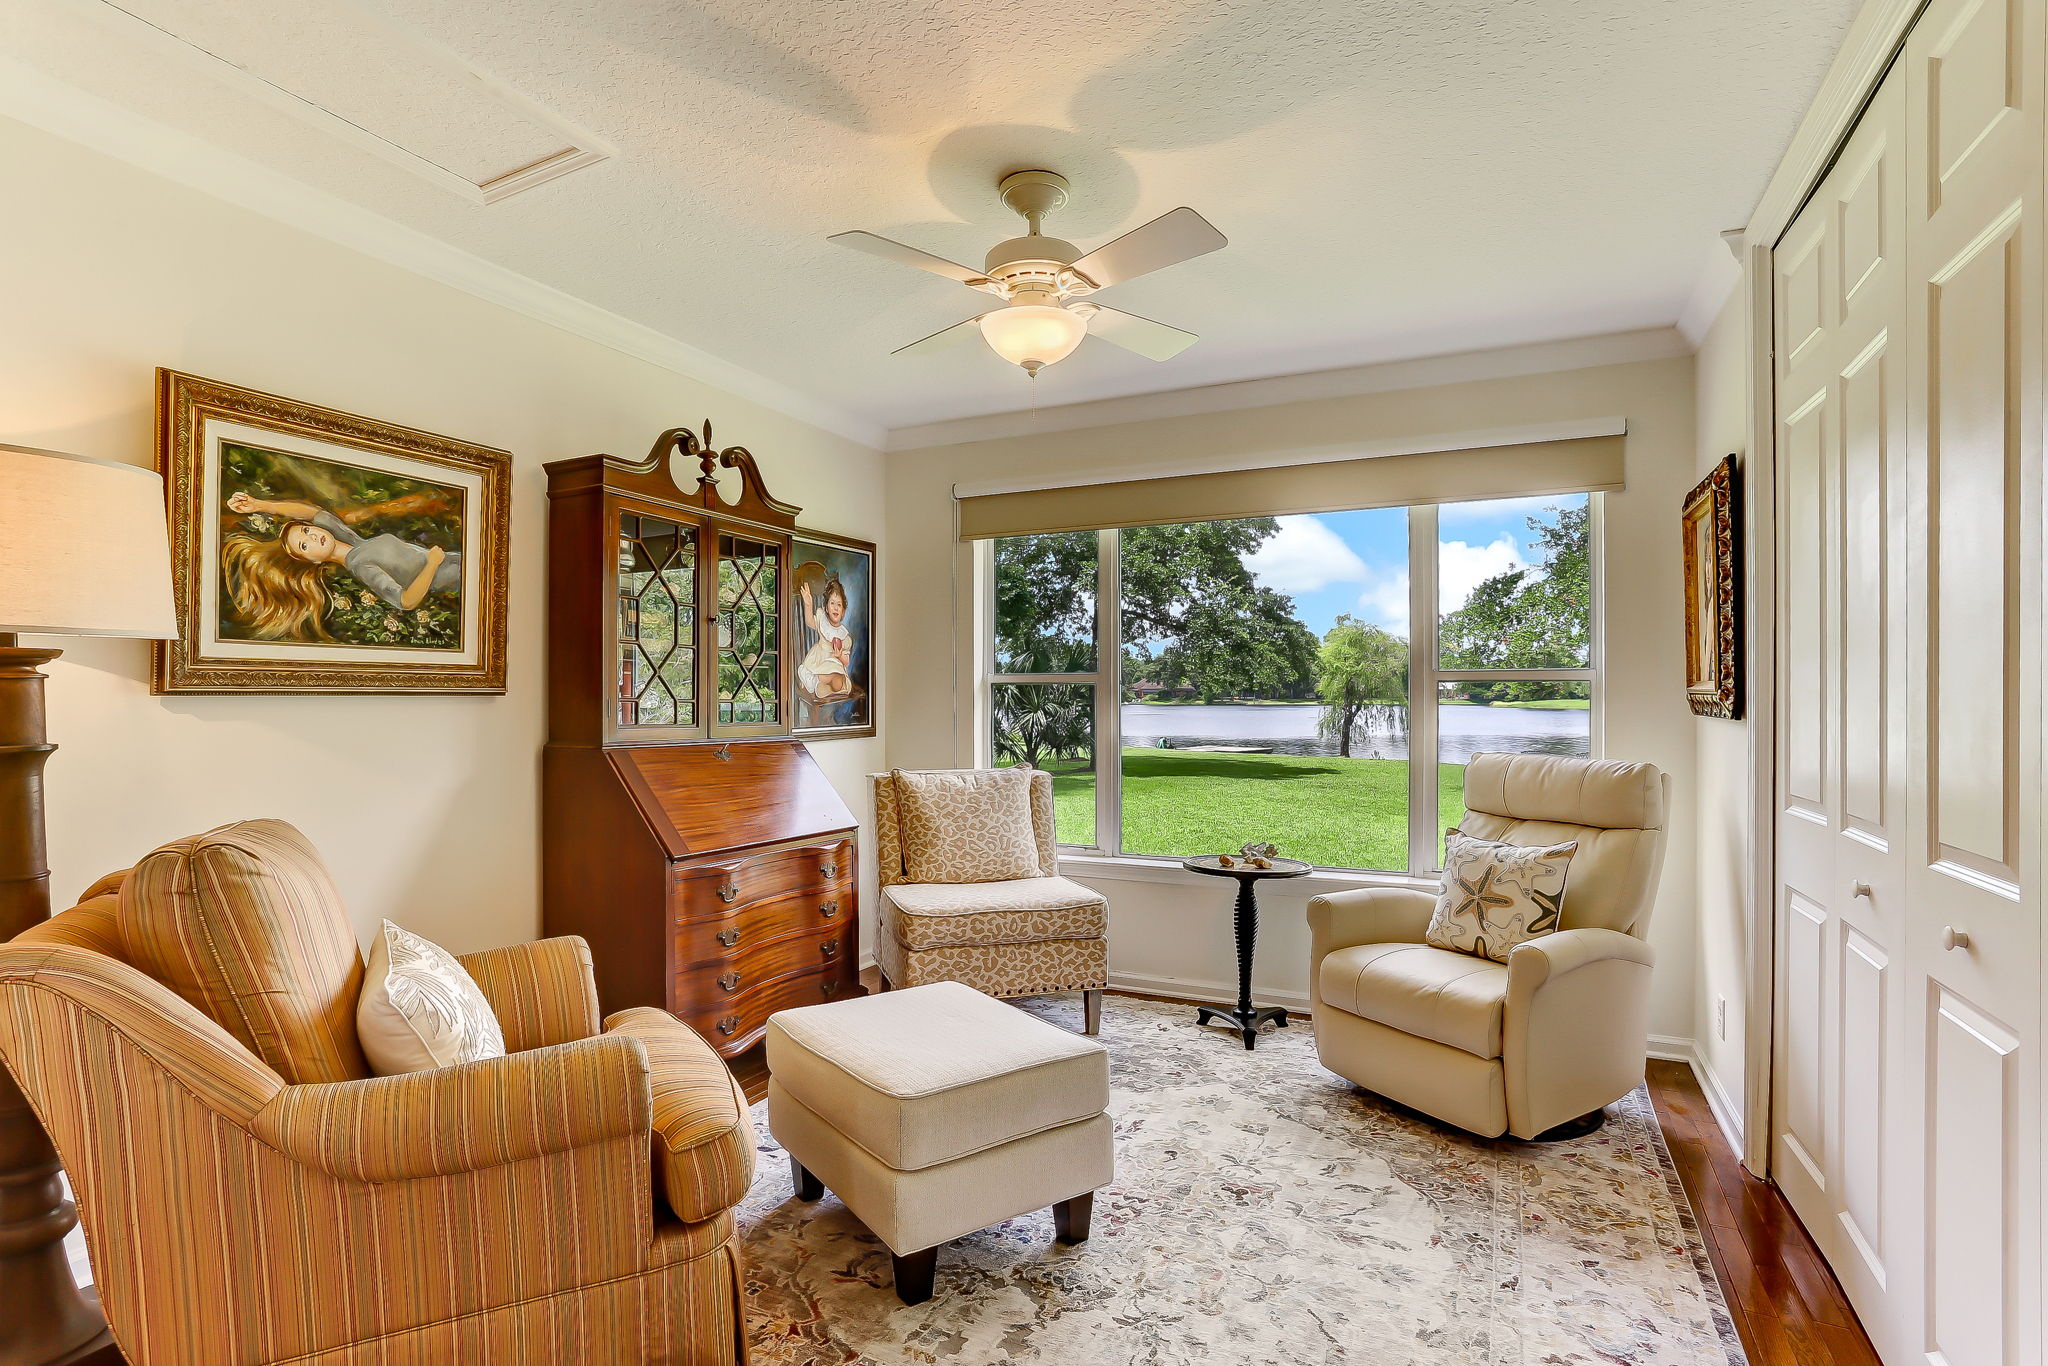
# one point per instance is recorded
(1497, 895)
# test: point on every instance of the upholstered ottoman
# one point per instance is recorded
(935, 1111)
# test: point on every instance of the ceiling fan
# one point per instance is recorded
(1043, 280)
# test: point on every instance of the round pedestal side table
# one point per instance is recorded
(1246, 1018)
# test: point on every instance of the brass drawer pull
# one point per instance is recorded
(830, 869)
(830, 948)
(828, 909)
(728, 937)
(728, 1025)
(727, 890)
(728, 980)
(829, 985)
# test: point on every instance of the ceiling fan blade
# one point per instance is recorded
(1154, 340)
(907, 256)
(1167, 240)
(943, 338)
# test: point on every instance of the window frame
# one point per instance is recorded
(1425, 675)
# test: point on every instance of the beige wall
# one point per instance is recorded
(1169, 932)
(426, 806)
(1721, 751)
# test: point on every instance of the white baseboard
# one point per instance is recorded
(1671, 1048)
(1726, 1113)
(1204, 992)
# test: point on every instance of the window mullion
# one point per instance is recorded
(1109, 693)
(1422, 689)
(1596, 623)
(982, 753)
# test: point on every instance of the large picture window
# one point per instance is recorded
(1197, 686)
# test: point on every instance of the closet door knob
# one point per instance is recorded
(1861, 889)
(1953, 938)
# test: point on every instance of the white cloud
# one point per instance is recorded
(1450, 514)
(1304, 556)
(1386, 603)
(1460, 567)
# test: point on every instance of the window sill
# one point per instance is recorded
(1130, 868)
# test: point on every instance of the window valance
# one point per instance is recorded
(1509, 467)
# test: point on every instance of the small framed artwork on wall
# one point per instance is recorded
(833, 587)
(1713, 627)
(317, 551)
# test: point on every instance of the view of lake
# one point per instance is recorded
(1462, 731)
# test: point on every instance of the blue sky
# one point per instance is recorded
(1357, 562)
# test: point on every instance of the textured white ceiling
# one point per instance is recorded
(1397, 178)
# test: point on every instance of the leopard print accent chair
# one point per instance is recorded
(1009, 935)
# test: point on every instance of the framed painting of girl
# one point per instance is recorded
(834, 630)
(318, 551)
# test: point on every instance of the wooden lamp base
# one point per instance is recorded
(45, 1319)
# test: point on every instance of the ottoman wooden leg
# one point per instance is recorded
(1093, 1006)
(1070, 1218)
(808, 1187)
(914, 1275)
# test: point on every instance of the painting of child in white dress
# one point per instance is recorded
(834, 638)
(315, 552)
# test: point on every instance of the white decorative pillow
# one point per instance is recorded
(420, 1009)
(1497, 895)
(972, 826)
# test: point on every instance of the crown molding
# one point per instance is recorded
(1874, 38)
(41, 101)
(1505, 362)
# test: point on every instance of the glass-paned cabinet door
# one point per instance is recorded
(657, 604)
(749, 632)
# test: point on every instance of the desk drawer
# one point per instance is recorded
(733, 976)
(716, 890)
(737, 1023)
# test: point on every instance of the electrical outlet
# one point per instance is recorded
(1721, 1018)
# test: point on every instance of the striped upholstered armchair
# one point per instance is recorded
(251, 1194)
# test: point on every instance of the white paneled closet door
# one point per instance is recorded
(1906, 1084)
(1842, 837)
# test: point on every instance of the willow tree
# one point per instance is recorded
(1362, 678)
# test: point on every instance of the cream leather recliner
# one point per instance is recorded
(1560, 1029)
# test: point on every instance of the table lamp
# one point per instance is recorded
(83, 551)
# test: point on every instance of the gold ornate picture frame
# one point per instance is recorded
(317, 551)
(1713, 628)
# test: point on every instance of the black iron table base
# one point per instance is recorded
(1245, 1018)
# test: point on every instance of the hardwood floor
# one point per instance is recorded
(1786, 1303)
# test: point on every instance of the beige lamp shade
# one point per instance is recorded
(83, 547)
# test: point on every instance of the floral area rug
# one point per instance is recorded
(1267, 1211)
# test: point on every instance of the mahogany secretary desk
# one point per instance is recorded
(685, 834)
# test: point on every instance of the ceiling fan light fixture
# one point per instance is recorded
(1033, 335)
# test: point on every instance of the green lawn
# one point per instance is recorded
(1339, 813)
